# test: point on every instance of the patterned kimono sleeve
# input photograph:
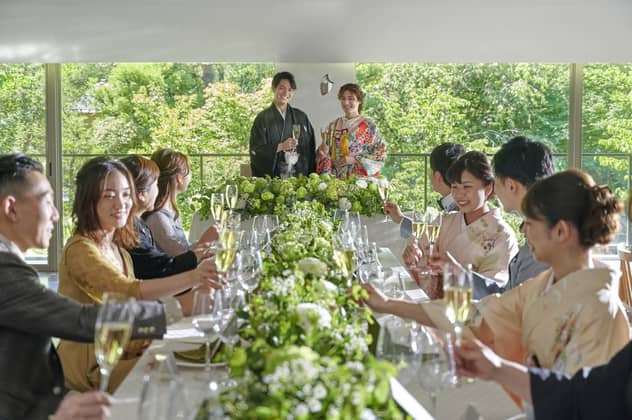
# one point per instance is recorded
(323, 163)
(373, 153)
(494, 264)
(500, 323)
(94, 275)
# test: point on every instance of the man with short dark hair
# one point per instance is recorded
(31, 378)
(280, 130)
(518, 164)
(441, 158)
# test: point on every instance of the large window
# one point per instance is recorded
(607, 129)
(23, 120)
(419, 106)
(204, 110)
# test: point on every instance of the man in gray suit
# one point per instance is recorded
(518, 164)
(441, 158)
(31, 376)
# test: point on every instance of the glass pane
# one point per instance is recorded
(23, 119)
(199, 109)
(419, 106)
(607, 130)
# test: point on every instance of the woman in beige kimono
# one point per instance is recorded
(476, 234)
(570, 315)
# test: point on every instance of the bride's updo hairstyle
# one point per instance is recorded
(574, 197)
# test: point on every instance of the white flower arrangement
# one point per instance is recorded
(311, 315)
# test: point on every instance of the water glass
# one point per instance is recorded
(163, 395)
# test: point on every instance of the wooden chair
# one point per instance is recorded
(625, 284)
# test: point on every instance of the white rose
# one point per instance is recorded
(361, 183)
(322, 186)
(344, 203)
(306, 312)
(313, 266)
(301, 410)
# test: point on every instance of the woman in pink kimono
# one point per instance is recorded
(476, 234)
(570, 315)
(351, 143)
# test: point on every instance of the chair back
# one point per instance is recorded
(625, 285)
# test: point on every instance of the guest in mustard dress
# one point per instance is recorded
(94, 261)
(351, 143)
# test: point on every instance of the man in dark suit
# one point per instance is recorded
(31, 376)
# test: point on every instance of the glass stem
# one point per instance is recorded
(207, 356)
(105, 380)
(433, 403)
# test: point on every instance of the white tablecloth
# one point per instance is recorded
(488, 398)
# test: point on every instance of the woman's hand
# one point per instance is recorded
(323, 149)
(412, 255)
(288, 144)
(345, 161)
(206, 275)
(210, 235)
(393, 210)
(202, 250)
(91, 405)
(376, 299)
(474, 359)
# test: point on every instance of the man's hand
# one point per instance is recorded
(393, 210)
(89, 406)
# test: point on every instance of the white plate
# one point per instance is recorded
(184, 363)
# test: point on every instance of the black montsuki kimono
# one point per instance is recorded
(268, 130)
(603, 392)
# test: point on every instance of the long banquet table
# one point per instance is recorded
(463, 402)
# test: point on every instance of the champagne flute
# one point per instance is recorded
(344, 254)
(113, 330)
(457, 292)
(296, 132)
(232, 195)
(419, 223)
(226, 250)
(217, 207)
(382, 189)
(250, 269)
(433, 225)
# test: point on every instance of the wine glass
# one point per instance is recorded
(457, 292)
(382, 189)
(419, 223)
(227, 247)
(296, 131)
(250, 269)
(232, 195)
(112, 333)
(217, 207)
(204, 320)
(344, 254)
(433, 224)
(162, 396)
(438, 369)
(272, 221)
(259, 233)
(341, 216)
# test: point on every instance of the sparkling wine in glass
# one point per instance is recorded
(232, 195)
(419, 223)
(217, 206)
(457, 293)
(113, 330)
(296, 131)
(382, 189)
(344, 254)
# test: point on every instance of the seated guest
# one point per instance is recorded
(164, 221)
(95, 261)
(149, 260)
(355, 146)
(603, 392)
(570, 315)
(32, 380)
(441, 158)
(476, 234)
(518, 164)
(271, 136)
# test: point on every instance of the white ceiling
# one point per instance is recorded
(316, 30)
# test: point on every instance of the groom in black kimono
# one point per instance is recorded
(271, 137)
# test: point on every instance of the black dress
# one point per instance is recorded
(268, 130)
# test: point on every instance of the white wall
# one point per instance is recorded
(320, 109)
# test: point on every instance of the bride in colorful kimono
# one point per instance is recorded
(570, 315)
(476, 234)
(351, 143)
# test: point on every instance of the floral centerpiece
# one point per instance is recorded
(274, 195)
(307, 353)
